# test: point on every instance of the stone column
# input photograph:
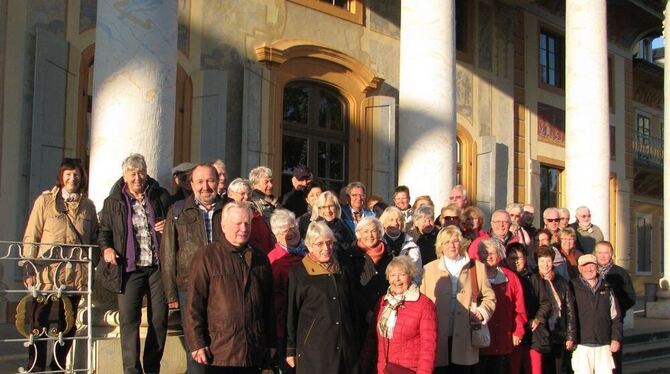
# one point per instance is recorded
(587, 154)
(427, 134)
(665, 281)
(133, 90)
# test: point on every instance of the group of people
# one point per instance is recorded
(322, 281)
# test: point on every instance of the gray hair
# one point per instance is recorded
(353, 185)
(403, 263)
(257, 173)
(422, 212)
(390, 213)
(565, 211)
(243, 205)
(218, 163)
(321, 201)
(582, 208)
(367, 221)
(487, 244)
(316, 230)
(461, 188)
(550, 209)
(238, 184)
(134, 161)
(512, 206)
(280, 219)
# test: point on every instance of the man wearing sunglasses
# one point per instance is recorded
(551, 220)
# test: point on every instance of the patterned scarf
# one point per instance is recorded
(556, 304)
(389, 315)
(375, 253)
(604, 269)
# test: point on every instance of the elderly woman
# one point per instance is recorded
(312, 192)
(327, 208)
(288, 251)
(424, 232)
(561, 322)
(406, 325)
(447, 282)
(507, 325)
(261, 236)
(321, 333)
(567, 254)
(450, 215)
(472, 223)
(61, 215)
(261, 195)
(399, 243)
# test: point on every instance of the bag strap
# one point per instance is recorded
(73, 228)
(473, 282)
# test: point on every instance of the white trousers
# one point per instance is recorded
(592, 360)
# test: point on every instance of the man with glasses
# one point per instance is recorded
(459, 196)
(500, 224)
(353, 212)
(564, 218)
(551, 220)
(588, 234)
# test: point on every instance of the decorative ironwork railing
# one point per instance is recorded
(54, 275)
(648, 150)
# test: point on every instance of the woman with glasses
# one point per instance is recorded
(327, 208)
(399, 243)
(567, 254)
(450, 215)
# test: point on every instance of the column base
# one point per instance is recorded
(660, 308)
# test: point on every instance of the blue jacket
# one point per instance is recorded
(348, 219)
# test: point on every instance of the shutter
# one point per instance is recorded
(380, 121)
(213, 115)
(251, 116)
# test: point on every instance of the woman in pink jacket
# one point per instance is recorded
(406, 322)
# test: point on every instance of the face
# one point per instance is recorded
(398, 280)
(451, 247)
(264, 185)
(221, 185)
(543, 239)
(515, 215)
(204, 181)
(516, 261)
(473, 223)
(500, 223)
(603, 254)
(313, 195)
(368, 235)
(449, 217)
(401, 200)
(237, 227)
(392, 225)
(490, 257)
(289, 236)
(544, 265)
(300, 184)
(71, 180)
(457, 197)
(244, 195)
(321, 249)
(182, 181)
(564, 220)
(551, 220)
(425, 225)
(421, 202)
(584, 217)
(588, 271)
(357, 198)
(567, 243)
(328, 210)
(135, 180)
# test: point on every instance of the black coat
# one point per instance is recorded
(566, 326)
(322, 333)
(371, 277)
(113, 227)
(619, 279)
(596, 324)
(426, 243)
(538, 306)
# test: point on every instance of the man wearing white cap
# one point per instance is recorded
(599, 323)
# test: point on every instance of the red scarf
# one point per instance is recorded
(375, 253)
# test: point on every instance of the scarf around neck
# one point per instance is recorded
(392, 302)
(375, 253)
(604, 269)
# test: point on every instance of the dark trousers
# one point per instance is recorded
(144, 281)
(211, 369)
(455, 368)
(494, 364)
(192, 367)
(37, 353)
(557, 361)
(617, 356)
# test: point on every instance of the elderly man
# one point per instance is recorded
(261, 196)
(564, 218)
(588, 234)
(180, 177)
(353, 212)
(401, 201)
(229, 309)
(220, 167)
(131, 221)
(190, 224)
(619, 279)
(294, 200)
(551, 220)
(500, 224)
(459, 196)
(598, 320)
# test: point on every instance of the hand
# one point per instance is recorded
(29, 281)
(110, 256)
(534, 324)
(569, 345)
(290, 360)
(159, 226)
(614, 346)
(173, 305)
(516, 340)
(201, 356)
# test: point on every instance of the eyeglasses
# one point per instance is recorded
(451, 218)
(327, 243)
(585, 216)
(499, 222)
(564, 218)
(553, 219)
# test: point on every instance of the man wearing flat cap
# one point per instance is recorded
(599, 325)
(181, 175)
(294, 200)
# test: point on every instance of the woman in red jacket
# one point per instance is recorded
(507, 325)
(406, 322)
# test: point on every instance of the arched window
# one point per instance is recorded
(314, 133)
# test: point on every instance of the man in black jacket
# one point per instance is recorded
(599, 324)
(618, 278)
(131, 223)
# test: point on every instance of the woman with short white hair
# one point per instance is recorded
(399, 243)
(326, 208)
(261, 235)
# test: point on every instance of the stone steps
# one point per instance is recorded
(647, 353)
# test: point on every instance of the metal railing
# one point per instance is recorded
(50, 267)
(648, 150)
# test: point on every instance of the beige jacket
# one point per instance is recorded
(48, 224)
(436, 285)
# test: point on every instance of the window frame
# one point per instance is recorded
(559, 185)
(355, 13)
(648, 249)
(560, 59)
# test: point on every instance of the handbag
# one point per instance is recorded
(480, 336)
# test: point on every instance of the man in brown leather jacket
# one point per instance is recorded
(229, 319)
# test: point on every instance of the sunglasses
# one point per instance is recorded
(451, 218)
(553, 219)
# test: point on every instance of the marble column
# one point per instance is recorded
(665, 281)
(134, 88)
(427, 134)
(587, 153)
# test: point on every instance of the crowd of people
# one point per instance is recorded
(322, 281)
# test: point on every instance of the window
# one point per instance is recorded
(551, 59)
(338, 3)
(643, 225)
(550, 187)
(643, 129)
(350, 10)
(459, 162)
(314, 133)
(461, 25)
